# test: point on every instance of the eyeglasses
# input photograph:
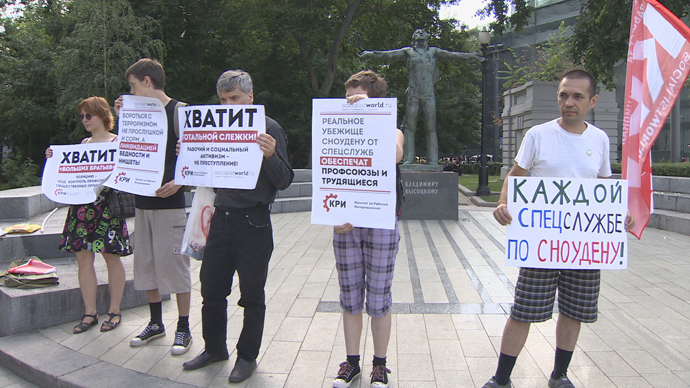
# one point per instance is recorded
(88, 116)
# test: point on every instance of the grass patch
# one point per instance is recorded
(472, 182)
(490, 198)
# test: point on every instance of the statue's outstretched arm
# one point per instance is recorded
(456, 55)
(397, 54)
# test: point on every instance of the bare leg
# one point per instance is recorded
(88, 283)
(514, 337)
(183, 303)
(381, 331)
(116, 280)
(352, 325)
(153, 296)
(567, 333)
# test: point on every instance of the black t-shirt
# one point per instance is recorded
(175, 201)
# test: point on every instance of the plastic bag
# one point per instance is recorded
(198, 223)
(29, 272)
(23, 228)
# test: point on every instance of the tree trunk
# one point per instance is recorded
(335, 49)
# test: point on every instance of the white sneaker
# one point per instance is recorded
(182, 341)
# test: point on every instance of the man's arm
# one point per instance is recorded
(455, 55)
(501, 212)
(276, 167)
(397, 54)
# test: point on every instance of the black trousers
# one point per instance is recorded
(239, 240)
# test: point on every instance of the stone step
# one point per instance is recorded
(301, 175)
(24, 203)
(672, 201)
(23, 310)
(296, 189)
(672, 221)
(291, 205)
(671, 184)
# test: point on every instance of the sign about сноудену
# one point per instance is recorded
(563, 223)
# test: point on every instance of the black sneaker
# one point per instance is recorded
(346, 374)
(150, 333)
(379, 376)
(182, 341)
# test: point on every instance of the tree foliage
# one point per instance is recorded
(550, 60)
(602, 34)
(61, 51)
(58, 53)
(500, 11)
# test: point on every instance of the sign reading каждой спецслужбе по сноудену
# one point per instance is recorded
(566, 223)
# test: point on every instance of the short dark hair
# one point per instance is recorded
(98, 106)
(374, 84)
(581, 74)
(233, 79)
(148, 67)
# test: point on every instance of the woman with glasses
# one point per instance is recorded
(89, 228)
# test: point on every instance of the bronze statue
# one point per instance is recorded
(421, 66)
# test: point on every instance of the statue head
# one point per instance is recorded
(420, 36)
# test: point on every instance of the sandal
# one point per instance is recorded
(84, 326)
(109, 324)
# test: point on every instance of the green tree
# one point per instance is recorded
(602, 34)
(499, 10)
(102, 39)
(551, 60)
(295, 50)
(28, 91)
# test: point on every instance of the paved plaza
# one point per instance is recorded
(451, 293)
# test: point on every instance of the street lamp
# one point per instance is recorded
(484, 38)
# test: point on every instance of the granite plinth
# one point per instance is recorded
(430, 195)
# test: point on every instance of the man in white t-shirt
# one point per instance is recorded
(566, 147)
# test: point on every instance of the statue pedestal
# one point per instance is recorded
(430, 194)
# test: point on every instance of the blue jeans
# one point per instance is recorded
(239, 240)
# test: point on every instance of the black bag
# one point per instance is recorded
(121, 204)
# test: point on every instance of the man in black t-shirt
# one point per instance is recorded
(159, 266)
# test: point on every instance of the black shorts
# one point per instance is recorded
(578, 294)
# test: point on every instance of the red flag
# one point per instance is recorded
(658, 64)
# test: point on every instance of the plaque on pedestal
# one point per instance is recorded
(429, 195)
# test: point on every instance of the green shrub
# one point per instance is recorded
(662, 169)
(20, 173)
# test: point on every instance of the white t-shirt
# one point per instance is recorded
(548, 150)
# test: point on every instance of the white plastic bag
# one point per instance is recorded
(198, 223)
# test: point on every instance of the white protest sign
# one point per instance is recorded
(566, 223)
(143, 135)
(353, 152)
(74, 170)
(218, 146)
